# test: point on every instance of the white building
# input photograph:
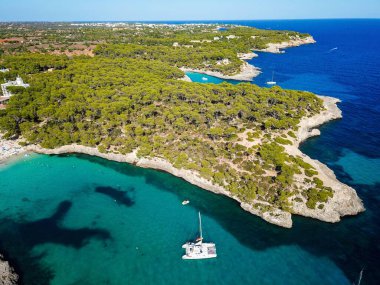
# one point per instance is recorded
(18, 82)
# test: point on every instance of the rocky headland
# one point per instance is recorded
(278, 47)
(344, 202)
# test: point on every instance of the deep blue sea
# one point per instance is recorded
(83, 220)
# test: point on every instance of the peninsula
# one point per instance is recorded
(113, 90)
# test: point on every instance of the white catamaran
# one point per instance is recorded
(199, 249)
(272, 82)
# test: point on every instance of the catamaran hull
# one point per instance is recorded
(199, 250)
(199, 257)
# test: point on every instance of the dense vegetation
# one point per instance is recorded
(128, 97)
(195, 46)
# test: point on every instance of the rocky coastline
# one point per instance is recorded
(278, 47)
(7, 273)
(248, 71)
(276, 217)
(247, 56)
(345, 200)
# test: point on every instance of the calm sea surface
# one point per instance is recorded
(83, 220)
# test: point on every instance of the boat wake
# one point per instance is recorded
(333, 49)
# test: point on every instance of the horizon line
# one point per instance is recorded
(164, 21)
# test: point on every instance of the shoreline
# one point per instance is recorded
(10, 149)
(247, 72)
(278, 47)
(277, 217)
(8, 276)
(344, 202)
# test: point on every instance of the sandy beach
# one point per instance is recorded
(9, 148)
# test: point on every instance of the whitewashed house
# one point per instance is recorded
(18, 82)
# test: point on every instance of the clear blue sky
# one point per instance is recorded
(137, 10)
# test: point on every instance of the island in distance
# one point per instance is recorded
(119, 91)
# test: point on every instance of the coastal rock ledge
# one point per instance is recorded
(279, 47)
(344, 202)
(7, 274)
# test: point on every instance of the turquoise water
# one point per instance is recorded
(84, 220)
(203, 78)
(344, 64)
(361, 169)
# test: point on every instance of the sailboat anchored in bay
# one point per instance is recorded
(199, 249)
(272, 82)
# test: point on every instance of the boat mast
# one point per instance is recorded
(360, 277)
(200, 225)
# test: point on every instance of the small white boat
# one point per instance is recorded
(199, 249)
(333, 49)
(204, 78)
(272, 82)
(185, 202)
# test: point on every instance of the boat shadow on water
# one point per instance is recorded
(19, 238)
(351, 244)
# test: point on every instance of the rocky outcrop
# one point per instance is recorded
(247, 56)
(275, 216)
(307, 126)
(7, 274)
(278, 47)
(345, 200)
